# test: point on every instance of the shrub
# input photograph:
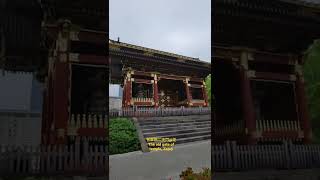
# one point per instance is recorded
(123, 136)
(188, 174)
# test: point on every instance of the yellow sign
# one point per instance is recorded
(160, 144)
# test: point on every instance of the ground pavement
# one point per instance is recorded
(160, 165)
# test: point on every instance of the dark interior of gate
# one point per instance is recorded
(171, 93)
(88, 90)
(274, 100)
(227, 93)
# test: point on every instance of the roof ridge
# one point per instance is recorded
(154, 50)
(307, 3)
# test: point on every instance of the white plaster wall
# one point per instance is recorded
(20, 130)
(15, 91)
(20, 96)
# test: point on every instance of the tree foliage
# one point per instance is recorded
(311, 72)
(208, 87)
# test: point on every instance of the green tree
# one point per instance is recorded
(208, 87)
(311, 72)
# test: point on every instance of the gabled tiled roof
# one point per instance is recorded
(308, 3)
(115, 44)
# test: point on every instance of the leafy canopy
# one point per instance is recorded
(208, 87)
(311, 72)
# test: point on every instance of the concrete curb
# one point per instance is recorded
(143, 143)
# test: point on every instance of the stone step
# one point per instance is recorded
(177, 132)
(174, 118)
(168, 125)
(175, 127)
(144, 123)
(172, 134)
(184, 128)
(193, 139)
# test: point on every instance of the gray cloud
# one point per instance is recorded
(177, 26)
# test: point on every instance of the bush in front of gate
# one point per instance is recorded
(123, 136)
(189, 174)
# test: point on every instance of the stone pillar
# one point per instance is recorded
(247, 100)
(303, 114)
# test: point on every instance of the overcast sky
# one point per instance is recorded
(178, 26)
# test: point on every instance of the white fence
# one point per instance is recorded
(76, 159)
(230, 156)
(161, 111)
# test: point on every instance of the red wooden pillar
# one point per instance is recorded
(129, 91)
(247, 101)
(155, 91)
(61, 85)
(60, 102)
(188, 92)
(303, 108)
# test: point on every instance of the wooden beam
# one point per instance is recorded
(88, 59)
(143, 81)
(274, 58)
(192, 79)
(173, 77)
(97, 37)
(196, 86)
(141, 73)
(274, 76)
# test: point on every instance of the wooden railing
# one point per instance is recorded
(277, 125)
(142, 99)
(231, 156)
(231, 129)
(54, 159)
(88, 121)
(167, 111)
(261, 126)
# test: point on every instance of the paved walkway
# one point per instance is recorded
(296, 174)
(160, 165)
